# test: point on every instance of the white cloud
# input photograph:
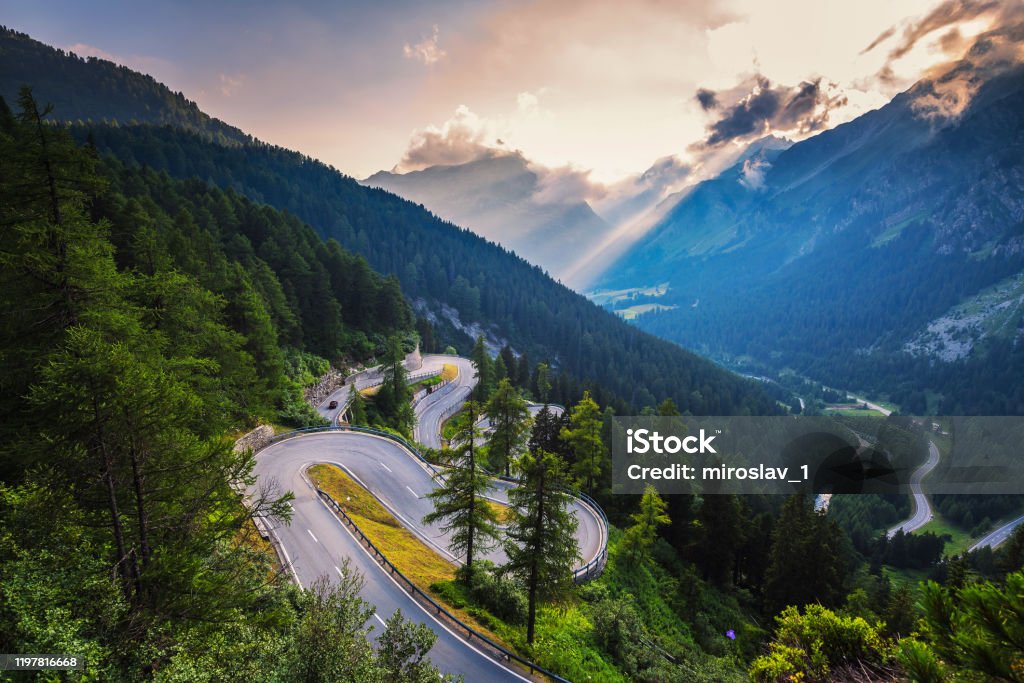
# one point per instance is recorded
(463, 138)
(86, 50)
(754, 171)
(229, 85)
(427, 50)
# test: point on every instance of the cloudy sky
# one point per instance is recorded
(605, 88)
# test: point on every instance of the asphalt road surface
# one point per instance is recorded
(316, 543)
(432, 410)
(922, 508)
(998, 536)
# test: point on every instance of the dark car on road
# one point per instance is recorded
(332, 405)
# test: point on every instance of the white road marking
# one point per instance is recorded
(377, 617)
(385, 467)
(288, 561)
(338, 570)
(411, 491)
(430, 614)
(311, 534)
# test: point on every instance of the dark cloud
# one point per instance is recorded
(884, 36)
(707, 99)
(757, 107)
(952, 41)
(948, 13)
(1003, 14)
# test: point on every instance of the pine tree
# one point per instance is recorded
(650, 515)
(460, 501)
(807, 562)
(584, 438)
(667, 408)
(543, 382)
(523, 372)
(393, 398)
(500, 369)
(541, 545)
(357, 409)
(720, 537)
(974, 633)
(484, 370)
(510, 423)
(546, 434)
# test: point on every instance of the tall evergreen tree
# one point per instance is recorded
(584, 438)
(500, 369)
(357, 409)
(523, 372)
(541, 545)
(460, 501)
(543, 382)
(484, 370)
(393, 398)
(720, 536)
(807, 561)
(546, 434)
(650, 515)
(510, 424)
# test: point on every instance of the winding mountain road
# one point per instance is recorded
(315, 543)
(432, 410)
(922, 508)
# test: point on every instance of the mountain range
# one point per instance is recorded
(884, 254)
(501, 198)
(460, 283)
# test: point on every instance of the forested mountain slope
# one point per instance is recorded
(502, 198)
(881, 254)
(114, 94)
(435, 261)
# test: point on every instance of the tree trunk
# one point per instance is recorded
(472, 513)
(140, 507)
(534, 581)
(125, 564)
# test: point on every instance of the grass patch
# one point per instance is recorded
(249, 537)
(419, 562)
(632, 312)
(449, 372)
(940, 526)
(501, 510)
(414, 558)
(893, 231)
(370, 392)
(853, 412)
(906, 578)
(455, 424)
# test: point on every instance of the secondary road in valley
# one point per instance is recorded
(998, 536)
(922, 508)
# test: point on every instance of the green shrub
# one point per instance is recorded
(809, 646)
(496, 593)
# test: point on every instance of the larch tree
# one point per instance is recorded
(541, 543)
(460, 503)
(649, 517)
(510, 424)
(584, 438)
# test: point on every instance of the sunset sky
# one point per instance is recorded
(604, 87)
